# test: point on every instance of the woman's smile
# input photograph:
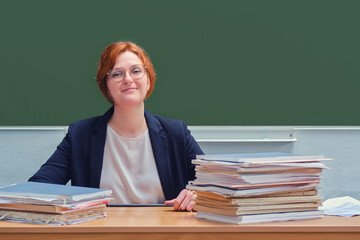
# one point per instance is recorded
(129, 89)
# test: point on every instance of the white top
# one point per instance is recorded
(129, 170)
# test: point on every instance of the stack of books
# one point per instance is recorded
(55, 204)
(257, 187)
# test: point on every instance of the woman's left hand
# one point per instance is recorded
(184, 201)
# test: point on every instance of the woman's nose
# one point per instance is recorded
(127, 77)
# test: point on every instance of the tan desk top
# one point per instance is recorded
(159, 222)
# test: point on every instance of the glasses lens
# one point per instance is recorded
(116, 75)
(137, 71)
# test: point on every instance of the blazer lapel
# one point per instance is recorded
(97, 146)
(159, 145)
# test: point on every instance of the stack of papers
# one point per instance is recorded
(246, 188)
(44, 203)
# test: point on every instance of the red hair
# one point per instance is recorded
(107, 62)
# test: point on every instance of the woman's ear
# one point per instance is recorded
(110, 97)
(148, 84)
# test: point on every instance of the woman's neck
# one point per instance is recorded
(128, 122)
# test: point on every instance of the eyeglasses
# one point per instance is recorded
(136, 72)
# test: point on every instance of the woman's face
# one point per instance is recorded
(131, 90)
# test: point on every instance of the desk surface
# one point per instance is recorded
(163, 222)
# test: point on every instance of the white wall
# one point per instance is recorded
(23, 150)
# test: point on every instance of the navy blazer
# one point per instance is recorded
(79, 157)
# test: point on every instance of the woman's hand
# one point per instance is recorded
(184, 201)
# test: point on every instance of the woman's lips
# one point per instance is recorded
(129, 89)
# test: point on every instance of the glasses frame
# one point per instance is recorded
(127, 70)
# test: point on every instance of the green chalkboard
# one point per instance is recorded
(227, 62)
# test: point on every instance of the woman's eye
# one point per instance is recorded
(117, 74)
(136, 71)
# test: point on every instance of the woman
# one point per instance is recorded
(143, 158)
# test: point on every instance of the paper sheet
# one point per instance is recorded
(341, 206)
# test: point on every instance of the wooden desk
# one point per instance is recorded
(163, 223)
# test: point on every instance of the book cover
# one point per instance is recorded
(244, 186)
(268, 157)
(53, 218)
(59, 208)
(249, 192)
(229, 197)
(258, 201)
(237, 211)
(257, 218)
(47, 192)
